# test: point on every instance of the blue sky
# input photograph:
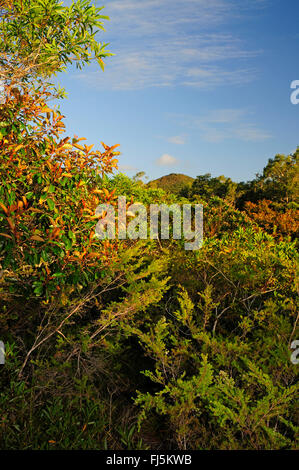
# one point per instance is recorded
(195, 86)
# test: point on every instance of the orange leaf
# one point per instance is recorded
(77, 146)
(46, 110)
(5, 235)
(105, 146)
(18, 147)
(4, 208)
(37, 238)
(10, 223)
(97, 191)
(114, 146)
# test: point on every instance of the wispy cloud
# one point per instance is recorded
(223, 116)
(223, 124)
(173, 42)
(167, 160)
(152, 16)
(177, 140)
(251, 133)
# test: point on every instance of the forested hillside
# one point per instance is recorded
(133, 344)
(174, 182)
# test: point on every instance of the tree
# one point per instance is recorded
(49, 186)
(280, 177)
(207, 187)
(138, 177)
(279, 182)
(40, 37)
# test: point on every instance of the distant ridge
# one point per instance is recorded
(172, 183)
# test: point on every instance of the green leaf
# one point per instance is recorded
(51, 204)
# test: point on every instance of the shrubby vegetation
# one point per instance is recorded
(135, 344)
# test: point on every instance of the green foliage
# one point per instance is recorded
(279, 182)
(280, 179)
(125, 186)
(40, 37)
(209, 386)
(207, 187)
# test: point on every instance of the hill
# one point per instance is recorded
(172, 183)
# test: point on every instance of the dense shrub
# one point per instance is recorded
(219, 346)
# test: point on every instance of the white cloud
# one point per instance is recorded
(251, 133)
(157, 44)
(177, 140)
(151, 16)
(223, 124)
(213, 135)
(167, 160)
(224, 116)
(245, 132)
